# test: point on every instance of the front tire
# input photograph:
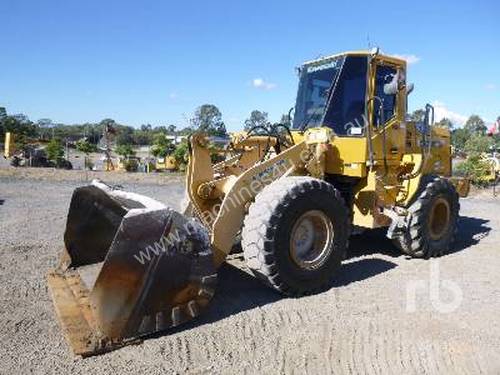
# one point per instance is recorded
(295, 235)
(432, 222)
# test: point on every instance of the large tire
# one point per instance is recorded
(432, 221)
(313, 205)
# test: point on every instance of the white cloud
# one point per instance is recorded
(172, 96)
(410, 59)
(490, 86)
(260, 83)
(441, 111)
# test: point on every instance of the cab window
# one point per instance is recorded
(346, 111)
(384, 74)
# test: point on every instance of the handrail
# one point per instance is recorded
(382, 122)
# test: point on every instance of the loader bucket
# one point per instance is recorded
(131, 267)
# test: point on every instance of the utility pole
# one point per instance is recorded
(107, 148)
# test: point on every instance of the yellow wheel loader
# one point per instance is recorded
(290, 195)
(167, 163)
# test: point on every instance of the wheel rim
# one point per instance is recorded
(311, 240)
(439, 219)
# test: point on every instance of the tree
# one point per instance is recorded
(257, 118)
(444, 123)
(162, 146)
(19, 125)
(208, 119)
(475, 124)
(108, 126)
(286, 120)
(22, 118)
(171, 129)
(125, 150)
(54, 150)
(108, 122)
(475, 168)
(91, 132)
(181, 152)
(142, 137)
(146, 128)
(477, 144)
(45, 125)
(417, 115)
(496, 133)
(86, 147)
(125, 135)
(3, 116)
(186, 131)
(459, 137)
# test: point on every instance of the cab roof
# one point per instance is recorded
(367, 53)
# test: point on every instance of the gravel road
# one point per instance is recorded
(369, 322)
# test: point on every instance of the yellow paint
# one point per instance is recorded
(381, 180)
(168, 163)
(9, 147)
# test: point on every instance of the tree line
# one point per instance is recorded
(471, 137)
(206, 118)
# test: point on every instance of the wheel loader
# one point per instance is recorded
(290, 195)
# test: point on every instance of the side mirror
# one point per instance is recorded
(397, 83)
(392, 87)
(409, 88)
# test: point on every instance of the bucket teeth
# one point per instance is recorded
(193, 309)
(147, 325)
(210, 280)
(162, 321)
(176, 316)
(206, 292)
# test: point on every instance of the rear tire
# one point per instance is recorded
(432, 222)
(295, 235)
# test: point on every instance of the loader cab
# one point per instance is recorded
(332, 93)
(358, 96)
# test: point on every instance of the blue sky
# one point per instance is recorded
(156, 61)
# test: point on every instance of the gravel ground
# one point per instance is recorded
(366, 323)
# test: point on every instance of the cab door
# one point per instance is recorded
(387, 111)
